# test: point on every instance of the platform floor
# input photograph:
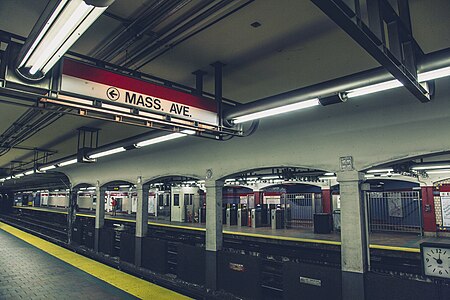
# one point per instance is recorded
(31, 268)
(409, 242)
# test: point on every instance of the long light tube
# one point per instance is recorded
(366, 90)
(47, 168)
(387, 85)
(160, 139)
(277, 110)
(107, 152)
(380, 170)
(435, 74)
(431, 167)
(438, 172)
(29, 172)
(68, 162)
(68, 21)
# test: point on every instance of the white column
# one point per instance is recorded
(354, 235)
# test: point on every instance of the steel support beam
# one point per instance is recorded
(373, 38)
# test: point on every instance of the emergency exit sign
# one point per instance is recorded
(90, 81)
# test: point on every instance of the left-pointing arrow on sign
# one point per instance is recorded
(113, 94)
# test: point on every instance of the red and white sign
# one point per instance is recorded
(85, 80)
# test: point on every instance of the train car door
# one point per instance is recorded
(176, 208)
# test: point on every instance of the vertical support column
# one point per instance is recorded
(99, 214)
(354, 235)
(428, 211)
(214, 236)
(326, 200)
(71, 213)
(141, 219)
(218, 67)
(199, 81)
(257, 195)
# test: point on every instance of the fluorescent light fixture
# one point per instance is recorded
(91, 188)
(439, 172)
(68, 21)
(29, 172)
(270, 177)
(68, 162)
(431, 167)
(188, 131)
(19, 175)
(380, 170)
(366, 90)
(124, 186)
(252, 178)
(435, 74)
(47, 168)
(107, 152)
(369, 176)
(160, 139)
(229, 180)
(329, 174)
(277, 111)
(328, 178)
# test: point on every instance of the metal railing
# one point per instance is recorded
(394, 211)
(300, 208)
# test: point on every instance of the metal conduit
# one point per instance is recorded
(428, 62)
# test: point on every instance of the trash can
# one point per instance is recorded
(337, 219)
(322, 223)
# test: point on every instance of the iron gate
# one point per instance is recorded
(300, 208)
(394, 211)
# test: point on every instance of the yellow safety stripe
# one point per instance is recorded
(126, 282)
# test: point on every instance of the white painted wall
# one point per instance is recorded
(373, 129)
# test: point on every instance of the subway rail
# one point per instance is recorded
(270, 256)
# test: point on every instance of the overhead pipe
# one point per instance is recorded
(428, 62)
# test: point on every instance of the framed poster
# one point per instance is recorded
(445, 206)
(395, 206)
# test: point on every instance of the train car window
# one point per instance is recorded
(186, 199)
(176, 199)
(190, 198)
(161, 200)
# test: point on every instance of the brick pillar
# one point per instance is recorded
(326, 201)
(428, 212)
(257, 197)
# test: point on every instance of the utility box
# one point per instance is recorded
(242, 217)
(277, 218)
(253, 218)
(337, 219)
(231, 216)
(322, 223)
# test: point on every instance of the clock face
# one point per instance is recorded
(436, 261)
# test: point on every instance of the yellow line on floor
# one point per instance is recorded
(126, 282)
(394, 248)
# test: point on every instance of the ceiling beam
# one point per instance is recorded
(387, 38)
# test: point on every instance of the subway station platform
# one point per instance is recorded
(31, 268)
(395, 241)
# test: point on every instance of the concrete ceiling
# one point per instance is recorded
(295, 46)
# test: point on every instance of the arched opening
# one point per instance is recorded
(277, 197)
(176, 198)
(120, 198)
